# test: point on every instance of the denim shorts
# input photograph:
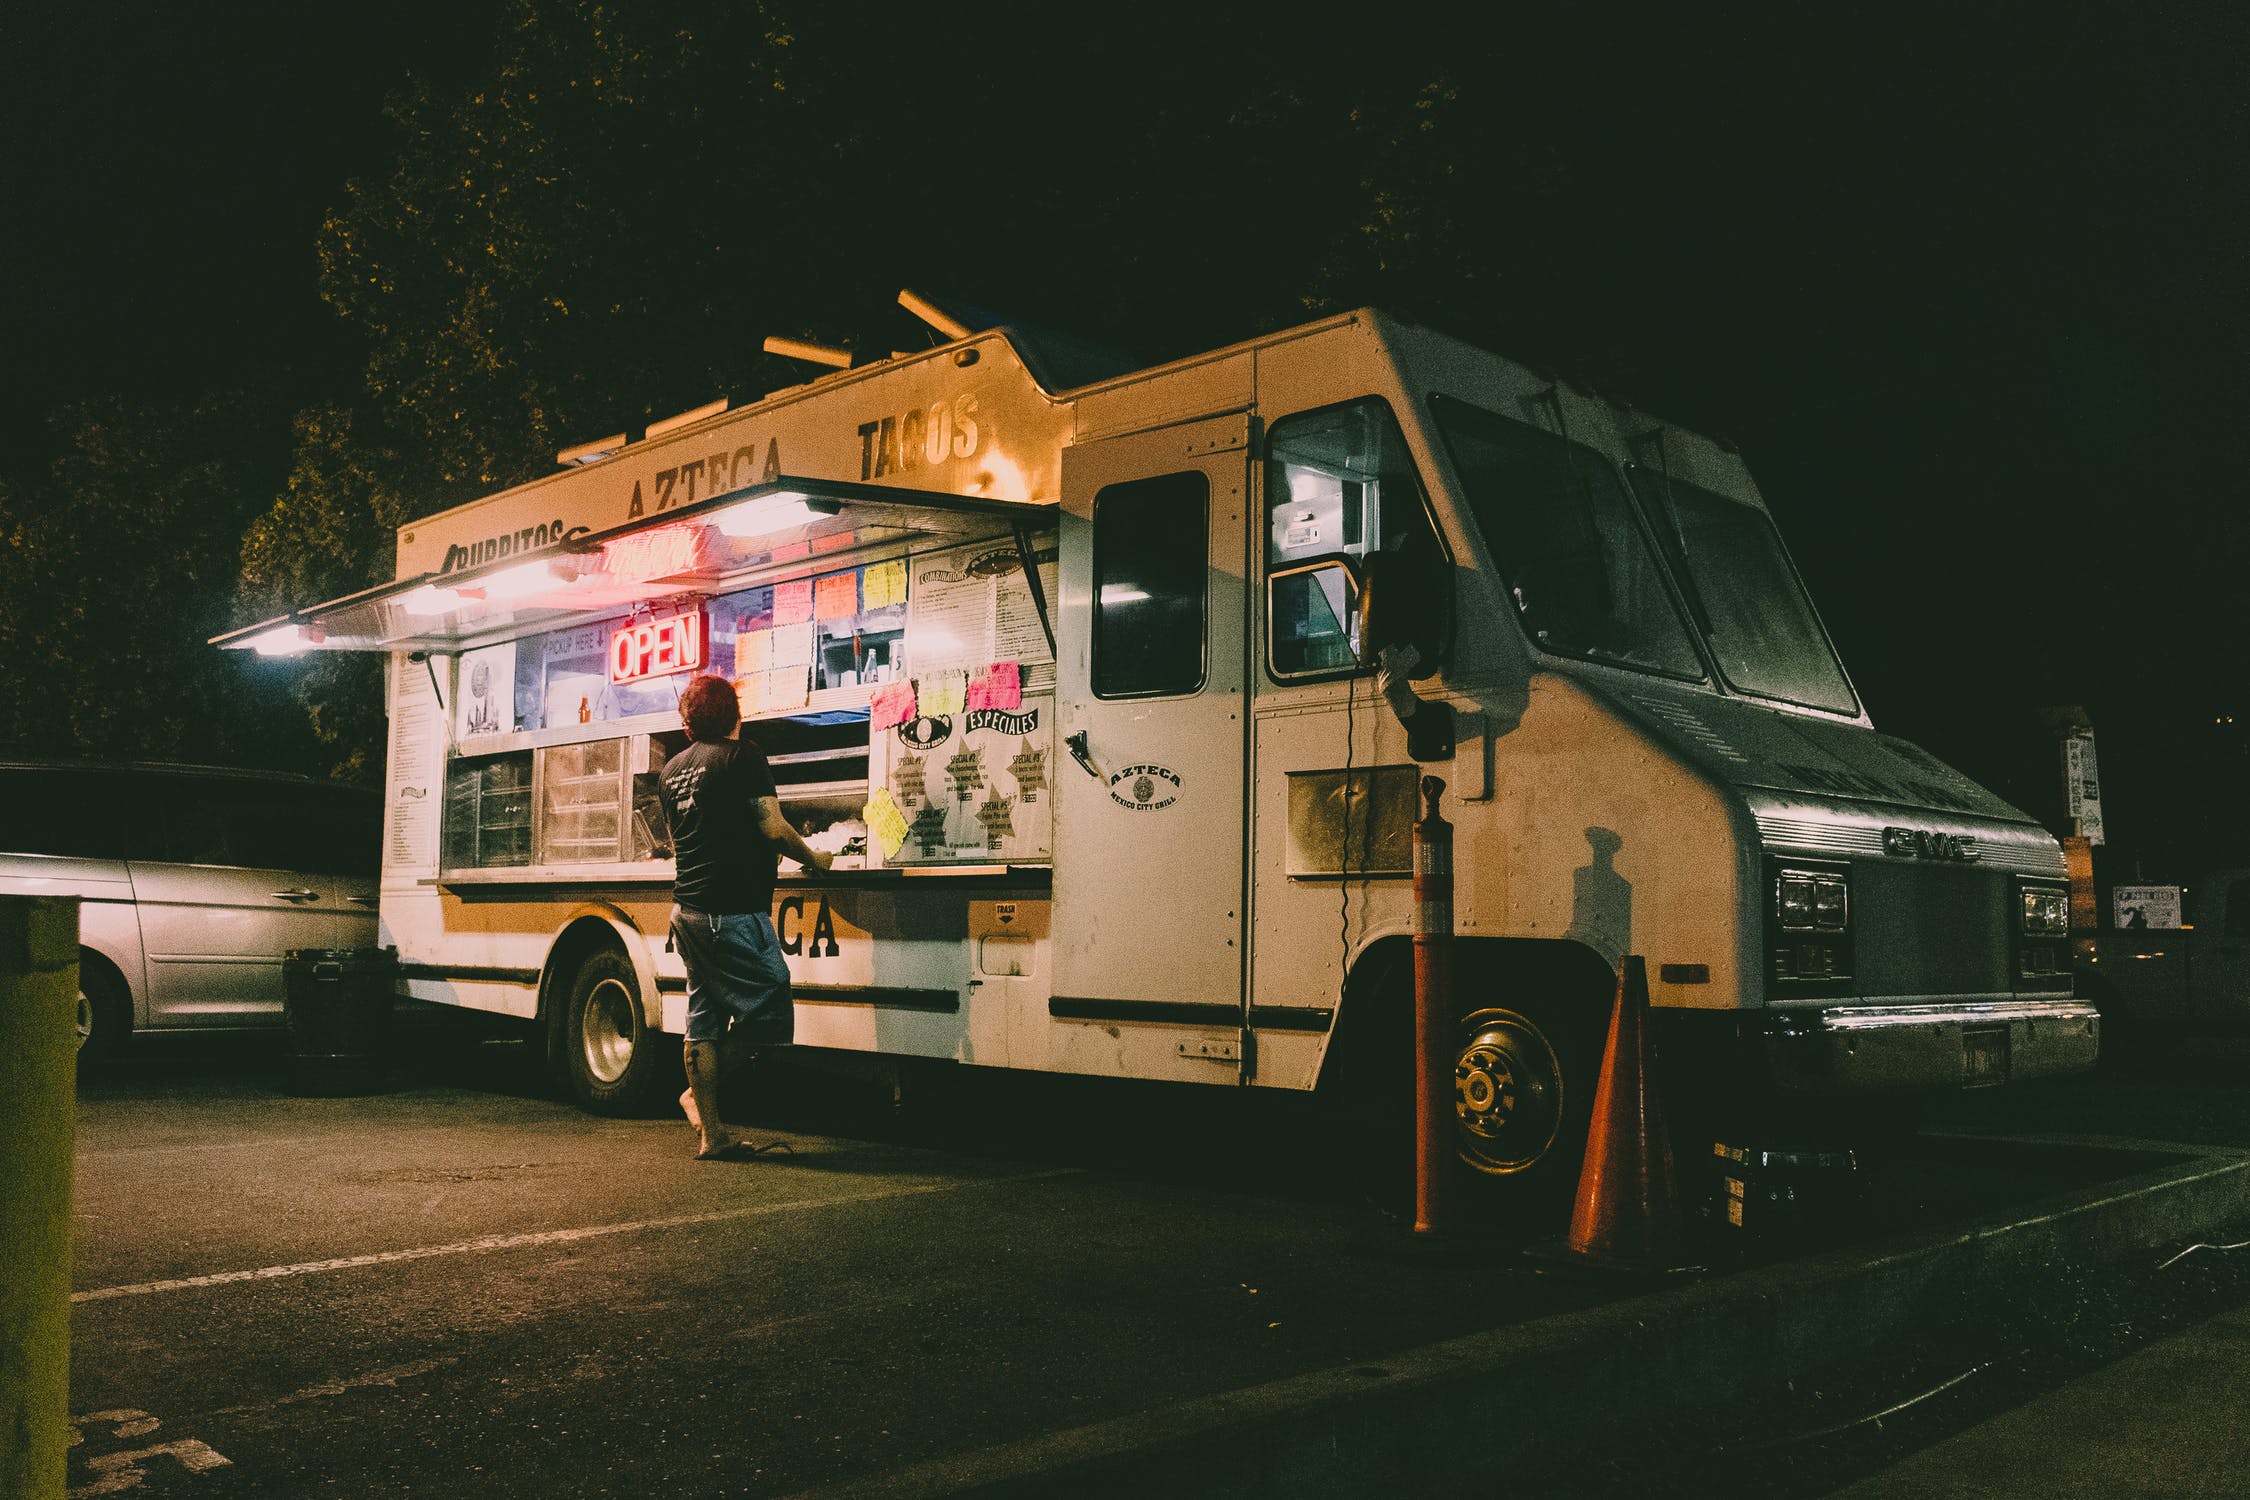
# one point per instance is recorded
(736, 976)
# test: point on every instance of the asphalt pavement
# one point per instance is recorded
(2162, 1423)
(450, 1288)
(462, 1286)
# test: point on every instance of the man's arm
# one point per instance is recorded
(783, 835)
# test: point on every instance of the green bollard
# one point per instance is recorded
(38, 1116)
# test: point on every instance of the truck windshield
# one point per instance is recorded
(1761, 628)
(1567, 543)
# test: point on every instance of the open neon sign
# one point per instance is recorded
(657, 648)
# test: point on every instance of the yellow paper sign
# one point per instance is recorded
(943, 692)
(883, 583)
(885, 822)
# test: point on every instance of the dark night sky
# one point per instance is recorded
(1971, 288)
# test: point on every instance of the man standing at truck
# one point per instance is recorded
(727, 836)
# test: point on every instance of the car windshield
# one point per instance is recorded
(1567, 543)
(1761, 628)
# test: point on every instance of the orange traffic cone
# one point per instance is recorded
(1628, 1209)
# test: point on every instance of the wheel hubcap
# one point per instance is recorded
(1507, 1093)
(606, 1031)
(85, 1018)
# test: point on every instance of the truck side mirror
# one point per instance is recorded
(1401, 603)
(1398, 607)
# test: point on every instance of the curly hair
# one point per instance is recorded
(709, 708)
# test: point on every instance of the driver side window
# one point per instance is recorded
(1340, 488)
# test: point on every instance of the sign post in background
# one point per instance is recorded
(2082, 785)
(2082, 807)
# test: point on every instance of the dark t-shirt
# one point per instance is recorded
(710, 792)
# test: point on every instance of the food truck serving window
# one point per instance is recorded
(778, 643)
(1151, 537)
(488, 812)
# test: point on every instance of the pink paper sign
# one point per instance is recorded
(892, 705)
(997, 686)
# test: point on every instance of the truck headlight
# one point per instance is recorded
(1809, 902)
(2046, 913)
(1810, 931)
(2043, 954)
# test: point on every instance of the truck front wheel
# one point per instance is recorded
(616, 1063)
(1522, 1086)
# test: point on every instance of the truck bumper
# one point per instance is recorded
(1952, 1044)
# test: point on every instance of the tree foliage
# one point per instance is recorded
(601, 228)
(604, 225)
(544, 242)
(114, 569)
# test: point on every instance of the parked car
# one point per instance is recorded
(2178, 963)
(193, 883)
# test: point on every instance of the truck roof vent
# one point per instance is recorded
(687, 418)
(930, 313)
(593, 452)
(819, 354)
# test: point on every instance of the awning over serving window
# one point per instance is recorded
(785, 527)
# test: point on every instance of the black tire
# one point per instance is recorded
(614, 1062)
(105, 1011)
(1365, 1096)
(1537, 1054)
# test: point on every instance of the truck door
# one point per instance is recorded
(1149, 820)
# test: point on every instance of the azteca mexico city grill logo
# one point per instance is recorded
(1144, 788)
(929, 730)
(997, 562)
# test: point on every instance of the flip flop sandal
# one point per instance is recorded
(744, 1151)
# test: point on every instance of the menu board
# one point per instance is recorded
(414, 768)
(972, 606)
(965, 788)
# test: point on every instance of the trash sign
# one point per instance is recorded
(2145, 906)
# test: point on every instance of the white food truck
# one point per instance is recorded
(1075, 673)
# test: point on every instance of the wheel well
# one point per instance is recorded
(1485, 969)
(586, 936)
(1378, 1003)
(104, 970)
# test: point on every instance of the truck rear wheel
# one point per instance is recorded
(615, 1062)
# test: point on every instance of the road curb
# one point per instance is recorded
(1570, 1383)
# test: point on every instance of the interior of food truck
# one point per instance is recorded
(558, 674)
